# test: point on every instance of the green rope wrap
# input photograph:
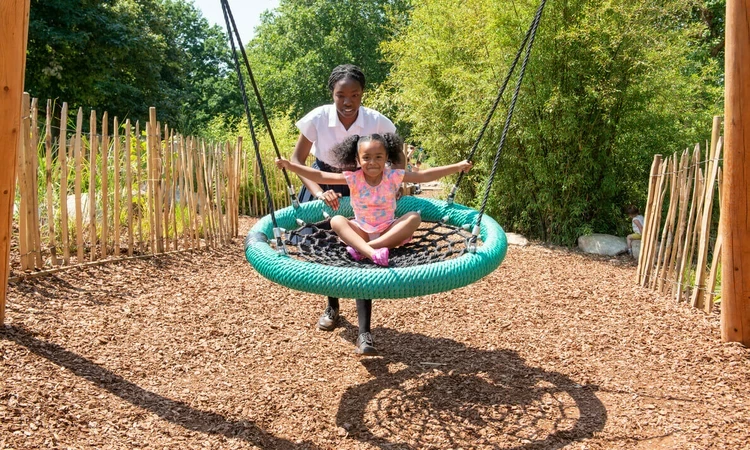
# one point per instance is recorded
(402, 282)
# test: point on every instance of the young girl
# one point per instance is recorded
(374, 185)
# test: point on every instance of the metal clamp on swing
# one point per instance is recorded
(278, 233)
(293, 195)
(472, 246)
(452, 195)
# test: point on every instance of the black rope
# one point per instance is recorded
(534, 26)
(509, 116)
(241, 81)
(495, 104)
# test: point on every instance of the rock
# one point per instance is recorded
(602, 244)
(636, 249)
(516, 239)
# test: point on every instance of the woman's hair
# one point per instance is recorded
(346, 151)
(346, 71)
(632, 210)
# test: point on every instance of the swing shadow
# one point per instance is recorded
(439, 392)
(176, 412)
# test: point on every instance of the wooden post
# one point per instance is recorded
(14, 27)
(735, 220)
(62, 156)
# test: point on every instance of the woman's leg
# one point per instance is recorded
(365, 344)
(401, 230)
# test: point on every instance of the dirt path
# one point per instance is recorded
(554, 349)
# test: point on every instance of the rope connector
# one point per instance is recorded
(452, 195)
(445, 218)
(293, 196)
(326, 215)
(278, 233)
(301, 222)
(472, 246)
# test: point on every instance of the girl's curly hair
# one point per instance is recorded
(346, 152)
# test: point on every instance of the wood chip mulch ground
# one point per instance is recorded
(196, 351)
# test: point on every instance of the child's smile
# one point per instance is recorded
(372, 159)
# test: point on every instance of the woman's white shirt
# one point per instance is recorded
(322, 127)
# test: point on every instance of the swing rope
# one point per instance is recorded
(232, 31)
(527, 43)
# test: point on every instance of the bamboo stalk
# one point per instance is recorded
(62, 155)
(48, 177)
(78, 187)
(129, 184)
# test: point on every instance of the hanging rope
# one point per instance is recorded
(233, 32)
(528, 42)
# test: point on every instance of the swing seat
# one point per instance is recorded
(365, 280)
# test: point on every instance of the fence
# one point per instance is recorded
(680, 222)
(90, 197)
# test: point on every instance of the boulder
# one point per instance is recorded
(636, 249)
(602, 244)
(516, 239)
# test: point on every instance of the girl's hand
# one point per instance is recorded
(282, 163)
(465, 165)
(330, 198)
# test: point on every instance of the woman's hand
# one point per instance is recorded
(282, 163)
(330, 197)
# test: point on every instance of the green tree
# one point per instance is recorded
(124, 56)
(298, 44)
(610, 83)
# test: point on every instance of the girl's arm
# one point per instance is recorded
(311, 174)
(435, 173)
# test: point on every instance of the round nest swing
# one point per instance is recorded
(435, 261)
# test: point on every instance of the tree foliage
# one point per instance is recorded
(609, 84)
(124, 56)
(297, 45)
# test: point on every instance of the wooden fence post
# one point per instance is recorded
(735, 231)
(14, 27)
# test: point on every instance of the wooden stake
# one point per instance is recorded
(105, 184)
(14, 26)
(129, 184)
(78, 150)
(24, 212)
(117, 189)
(32, 165)
(700, 268)
(93, 140)
(62, 155)
(48, 179)
(735, 222)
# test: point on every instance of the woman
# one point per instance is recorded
(320, 130)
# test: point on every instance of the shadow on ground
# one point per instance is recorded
(436, 392)
(425, 392)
